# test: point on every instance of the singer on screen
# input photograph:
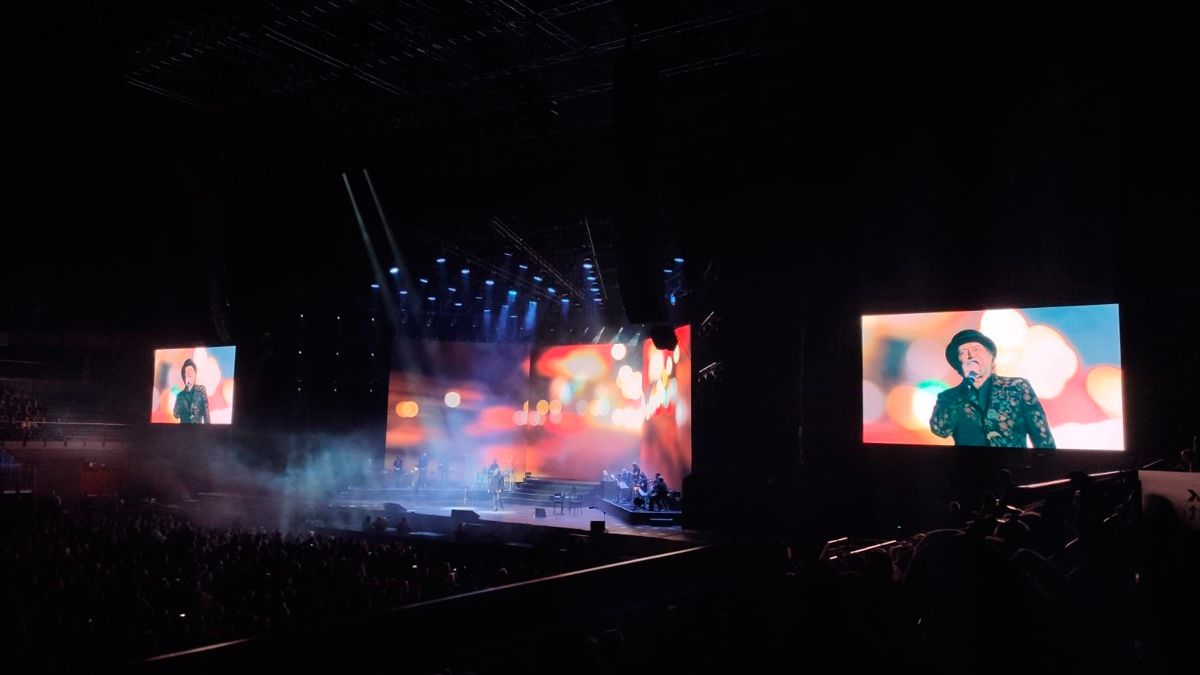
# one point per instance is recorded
(191, 404)
(986, 409)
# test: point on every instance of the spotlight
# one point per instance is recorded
(523, 266)
(587, 266)
(440, 261)
(452, 289)
(537, 279)
(679, 261)
(465, 271)
(394, 270)
(403, 292)
(376, 286)
(552, 290)
(423, 280)
(431, 298)
(489, 282)
(566, 301)
(667, 270)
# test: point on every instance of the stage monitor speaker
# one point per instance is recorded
(464, 515)
(394, 508)
(597, 527)
(539, 512)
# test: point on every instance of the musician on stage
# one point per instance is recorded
(496, 485)
(659, 494)
(641, 487)
(422, 471)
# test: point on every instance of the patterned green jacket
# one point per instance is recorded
(1011, 412)
(191, 407)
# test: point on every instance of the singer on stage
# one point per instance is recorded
(986, 409)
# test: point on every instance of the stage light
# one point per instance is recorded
(403, 292)
(566, 301)
(512, 293)
(667, 270)
(452, 399)
(595, 289)
(375, 286)
(441, 261)
(431, 298)
(523, 266)
(458, 304)
(489, 282)
(537, 279)
(591, 277)
(597, 300)
(619, 351)
(465, 271)
(551, 290)
(452, 289)
(679, 261)
(587, 266)
(487, 311)
(507, 253)
(394, 270)
(423, 280)
(672, 299)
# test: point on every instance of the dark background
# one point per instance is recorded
(811, 165)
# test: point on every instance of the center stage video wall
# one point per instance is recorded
(568, 411)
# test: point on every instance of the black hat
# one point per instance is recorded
(963, 337)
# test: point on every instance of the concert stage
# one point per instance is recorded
(541, 501)
(438, 514)
(640, 517)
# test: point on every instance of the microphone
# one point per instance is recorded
(972, 376)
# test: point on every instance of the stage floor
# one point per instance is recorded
(525, 515)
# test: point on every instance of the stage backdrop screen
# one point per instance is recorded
(585, 411)
(565, 411)
(193, 385)
(1047, 377)
(455, 404)
(667, 383)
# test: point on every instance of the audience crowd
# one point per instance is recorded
(22, 416)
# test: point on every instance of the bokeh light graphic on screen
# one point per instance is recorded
(214, 372)
(1070, 356)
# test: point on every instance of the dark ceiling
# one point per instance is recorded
(171, 158)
